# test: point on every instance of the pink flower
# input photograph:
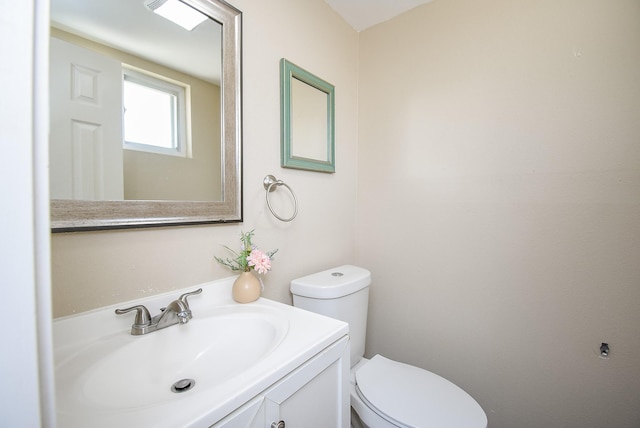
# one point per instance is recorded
(259, 261)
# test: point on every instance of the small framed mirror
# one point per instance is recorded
(308, 120)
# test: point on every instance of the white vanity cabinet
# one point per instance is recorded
(246, 366)
(314, 395)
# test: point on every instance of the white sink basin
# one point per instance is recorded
(126, 372)
(105, 377)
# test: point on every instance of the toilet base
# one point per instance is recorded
(356, 422)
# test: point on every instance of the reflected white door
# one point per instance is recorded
(86, 124)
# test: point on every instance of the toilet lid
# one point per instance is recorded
(410, 396)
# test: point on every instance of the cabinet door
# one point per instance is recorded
(250, 415)
(316, 395)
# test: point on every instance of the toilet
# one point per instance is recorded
(384, 393)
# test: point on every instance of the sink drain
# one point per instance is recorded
(183, 385)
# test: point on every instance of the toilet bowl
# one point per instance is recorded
(384, 393)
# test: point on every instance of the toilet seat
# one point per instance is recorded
(408, 396)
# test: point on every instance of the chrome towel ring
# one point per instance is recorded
(270, 184)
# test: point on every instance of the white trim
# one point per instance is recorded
(24, 251)
(42, 224)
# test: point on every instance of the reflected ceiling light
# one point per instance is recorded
(176, 12)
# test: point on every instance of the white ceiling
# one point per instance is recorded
(362, 14)
(129, 26)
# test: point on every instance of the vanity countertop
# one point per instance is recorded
(106, 377)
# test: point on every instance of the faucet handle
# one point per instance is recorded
(183, 298)
(142, 315)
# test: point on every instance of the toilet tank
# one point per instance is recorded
(341, 293)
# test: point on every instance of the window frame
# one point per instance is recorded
(181, 92)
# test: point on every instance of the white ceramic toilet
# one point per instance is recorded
(384, 393)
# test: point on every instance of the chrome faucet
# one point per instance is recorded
(176, 312)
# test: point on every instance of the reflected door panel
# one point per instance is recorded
(86, 130)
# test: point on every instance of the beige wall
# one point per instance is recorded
(499, 203)
(101, 268)
(193, 178)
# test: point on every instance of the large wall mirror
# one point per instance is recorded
(145, 113)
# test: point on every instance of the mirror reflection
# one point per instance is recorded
(135, 103)
(308, 122)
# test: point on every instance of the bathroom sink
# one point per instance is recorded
(121, 372)
(226, 356)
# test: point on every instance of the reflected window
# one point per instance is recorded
(154, 114)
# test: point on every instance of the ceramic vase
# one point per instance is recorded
(246, 288)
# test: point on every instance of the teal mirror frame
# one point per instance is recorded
(288, 72)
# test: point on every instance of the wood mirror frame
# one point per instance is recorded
(294, 116)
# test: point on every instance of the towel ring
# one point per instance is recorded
(270, 184)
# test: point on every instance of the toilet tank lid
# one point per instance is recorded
(332, 283)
